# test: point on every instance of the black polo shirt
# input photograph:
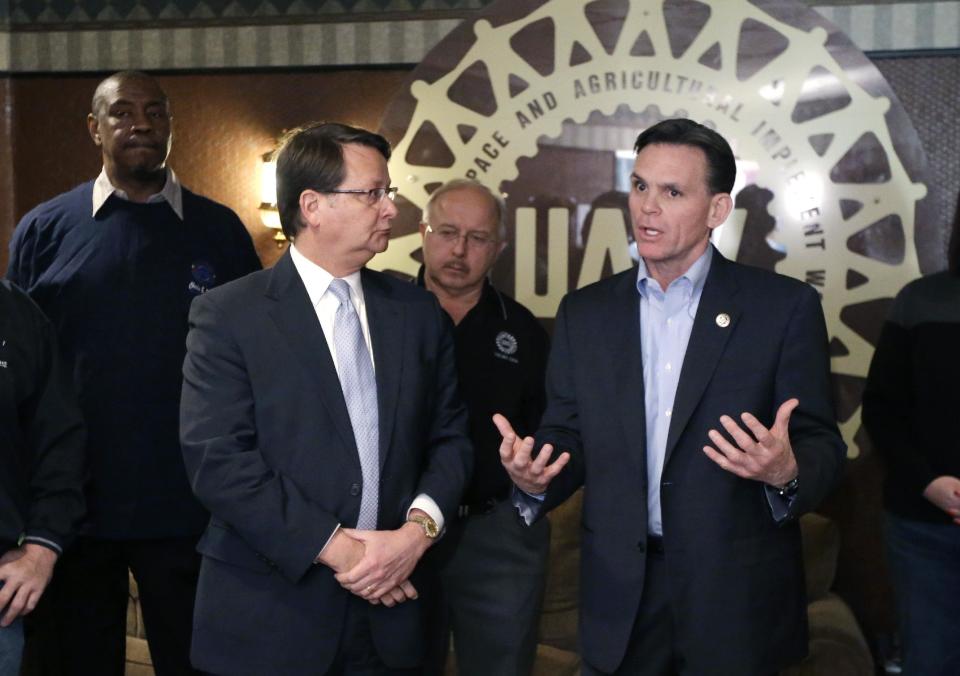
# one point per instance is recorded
(501, 352)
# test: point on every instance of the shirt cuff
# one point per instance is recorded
(43, 542)
(779, 505)
(317, 559)
(425, 502)
(528, 506)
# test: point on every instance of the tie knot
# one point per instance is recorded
(340, 289)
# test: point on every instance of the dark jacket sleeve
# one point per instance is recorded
(804, 372)
(560, 424)
(55, 438)
(449, 452)
(226, 468)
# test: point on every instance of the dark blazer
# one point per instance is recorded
(270, 452)
(736, 576)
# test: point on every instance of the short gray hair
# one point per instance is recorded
(460, 183)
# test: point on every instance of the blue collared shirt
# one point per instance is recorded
(666, 320)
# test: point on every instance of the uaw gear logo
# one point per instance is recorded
(203, 278)
(544, 100)
(506, 345)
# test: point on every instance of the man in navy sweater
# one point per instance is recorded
(115, 263)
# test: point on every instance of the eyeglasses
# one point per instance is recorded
(451, 236)
(373, 196)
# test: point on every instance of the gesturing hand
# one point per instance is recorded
(530, 475)
(765, 456)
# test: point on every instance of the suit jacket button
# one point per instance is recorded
(354, 489)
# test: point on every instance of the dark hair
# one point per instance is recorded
(953, 252)
(311, 158)
(100, 95)
(721, 166)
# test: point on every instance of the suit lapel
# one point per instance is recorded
(387, 337)
(297, 321)
(627, 366)
(707, 342)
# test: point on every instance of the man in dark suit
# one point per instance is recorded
(691, 559)
(321, 428)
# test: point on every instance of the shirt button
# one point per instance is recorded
(667, 367)
(354, 489)
(668, 413)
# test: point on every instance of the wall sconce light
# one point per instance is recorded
(269, 214)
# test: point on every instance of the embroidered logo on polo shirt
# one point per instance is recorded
(506, 346)
(204, 277)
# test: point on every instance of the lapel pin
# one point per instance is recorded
(723, 320)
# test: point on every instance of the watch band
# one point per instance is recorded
(429, 526)
(789, 489)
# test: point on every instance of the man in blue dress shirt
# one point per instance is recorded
(691, 399)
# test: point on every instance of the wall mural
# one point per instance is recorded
(543, 101)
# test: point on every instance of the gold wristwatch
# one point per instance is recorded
(429, 526)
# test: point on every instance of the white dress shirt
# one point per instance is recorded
(317, 281)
